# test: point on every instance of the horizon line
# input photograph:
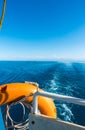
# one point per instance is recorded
(61, 60)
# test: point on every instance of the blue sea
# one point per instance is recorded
(67, 78)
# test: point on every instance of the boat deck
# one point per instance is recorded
(40, 122)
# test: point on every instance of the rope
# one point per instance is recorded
(24, 123)
(3, 11)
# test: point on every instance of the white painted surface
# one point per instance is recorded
(39, 122)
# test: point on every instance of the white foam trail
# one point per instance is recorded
(54, 86)
(65, 112)
(67, 109)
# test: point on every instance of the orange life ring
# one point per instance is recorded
(16, 91)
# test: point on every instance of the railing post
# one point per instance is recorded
(35, 103)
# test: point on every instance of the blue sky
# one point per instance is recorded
(43, 30)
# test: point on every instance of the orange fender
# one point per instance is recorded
(15, 91)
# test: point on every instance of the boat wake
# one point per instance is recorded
(67, 79)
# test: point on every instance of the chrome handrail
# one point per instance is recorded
(58, 97)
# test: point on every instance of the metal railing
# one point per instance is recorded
(58, 97)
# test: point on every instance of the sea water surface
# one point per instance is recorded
(66, 78)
